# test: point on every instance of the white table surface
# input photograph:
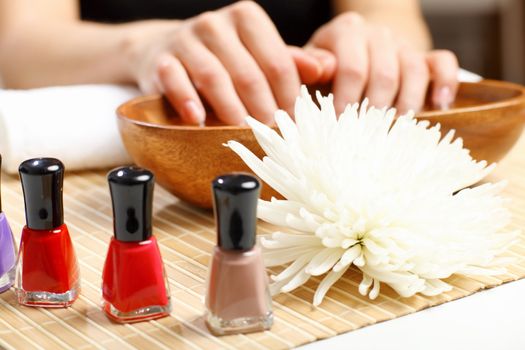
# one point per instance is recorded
(491, 319)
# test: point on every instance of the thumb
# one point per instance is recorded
(308, 67)
(327, 61)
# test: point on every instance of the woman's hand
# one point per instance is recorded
(372, 63)
(233, 57)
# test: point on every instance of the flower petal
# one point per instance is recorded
(325, 284)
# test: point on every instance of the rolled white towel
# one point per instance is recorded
(76, 124)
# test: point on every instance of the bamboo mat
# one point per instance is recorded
(187, 236)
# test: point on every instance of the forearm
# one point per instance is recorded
(72, 52)
(403, 18)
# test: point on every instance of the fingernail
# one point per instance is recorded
(193, 112)
(444, 98)
(325, 60)
(408, 107)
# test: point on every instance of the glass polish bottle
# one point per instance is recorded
(134, 284)
(7, 250)
(237, 299)
(47, 272)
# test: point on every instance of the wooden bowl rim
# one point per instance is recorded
(140, 99)
(513, 101)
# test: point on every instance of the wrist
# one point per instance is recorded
(138, 41)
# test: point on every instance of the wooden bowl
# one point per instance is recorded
(489, 116)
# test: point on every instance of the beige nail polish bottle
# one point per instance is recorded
(238, 298)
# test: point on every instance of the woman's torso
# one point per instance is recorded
(296, 20)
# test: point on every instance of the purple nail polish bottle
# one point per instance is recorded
(7, 251)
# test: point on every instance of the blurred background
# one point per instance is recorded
(488, 36)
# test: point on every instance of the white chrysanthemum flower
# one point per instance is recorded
(380, 193)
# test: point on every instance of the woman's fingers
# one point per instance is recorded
(444, 68)
(370, 62)
(251, 85)
(346, 38)
(212, 80)
(178, 89)
(414, 81)
(235, 59)
(260, 37)
(352, 67)
(384, 73)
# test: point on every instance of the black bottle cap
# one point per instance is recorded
(132, 197)
(235, 206)
(42, 183)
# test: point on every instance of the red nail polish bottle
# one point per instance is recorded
(47, 270)
(134, 284)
